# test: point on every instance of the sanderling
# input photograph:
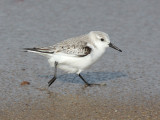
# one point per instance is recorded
(75, 54)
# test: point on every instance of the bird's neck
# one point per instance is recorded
(97, 53)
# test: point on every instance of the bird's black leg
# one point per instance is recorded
(55, 74)
(84, 80)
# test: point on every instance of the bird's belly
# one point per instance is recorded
(72, 64)
(68, 68)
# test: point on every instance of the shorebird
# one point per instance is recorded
(76, 54)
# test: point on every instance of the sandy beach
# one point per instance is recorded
(64, 107)
(130, 80)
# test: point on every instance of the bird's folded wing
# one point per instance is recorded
(77, 50)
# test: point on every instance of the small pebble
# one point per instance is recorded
(25, 83)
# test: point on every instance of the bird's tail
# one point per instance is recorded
(38, 50)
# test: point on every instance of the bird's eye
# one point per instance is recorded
(102, 39)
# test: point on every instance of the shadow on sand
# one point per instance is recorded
(91, 77)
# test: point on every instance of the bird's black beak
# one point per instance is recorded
(114, 47)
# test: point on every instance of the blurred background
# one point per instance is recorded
(132, 77)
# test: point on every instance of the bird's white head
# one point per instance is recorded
(102, 40)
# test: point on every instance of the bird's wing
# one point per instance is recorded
(79, 49)
(75, 50)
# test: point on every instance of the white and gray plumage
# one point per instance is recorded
(75, 54)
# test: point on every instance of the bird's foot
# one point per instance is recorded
(90, 85)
